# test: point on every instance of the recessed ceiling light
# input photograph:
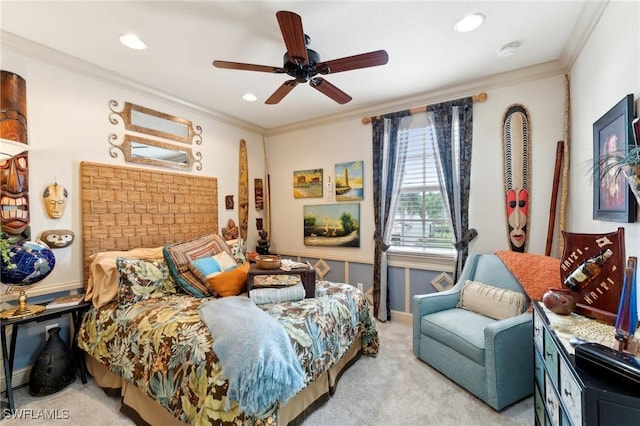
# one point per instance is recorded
(508, 49)
(469, 23)
(132, 41)
(250, 97)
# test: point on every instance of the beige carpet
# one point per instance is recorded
(393, 389)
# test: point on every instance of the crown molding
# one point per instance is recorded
(585, 24)
(456, 91)
(46, 54)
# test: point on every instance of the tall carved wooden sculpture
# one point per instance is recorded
(517, 175)
(14, 201)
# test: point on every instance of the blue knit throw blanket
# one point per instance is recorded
(255, 353)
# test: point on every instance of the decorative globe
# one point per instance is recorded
(33, 261)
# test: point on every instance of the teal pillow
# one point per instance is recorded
(203, 267)
(210, 266)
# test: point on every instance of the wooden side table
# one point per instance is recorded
(307, 276)
(76, 312)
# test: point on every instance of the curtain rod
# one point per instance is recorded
(480, 97)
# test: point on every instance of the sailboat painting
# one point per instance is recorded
(349, 181)
(332, 225)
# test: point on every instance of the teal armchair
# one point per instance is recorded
(492, 359)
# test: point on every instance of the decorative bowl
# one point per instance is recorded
(267, 261)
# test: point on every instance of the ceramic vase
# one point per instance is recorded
(54, 369)
(559, 301)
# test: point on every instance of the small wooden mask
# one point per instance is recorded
(57, 238)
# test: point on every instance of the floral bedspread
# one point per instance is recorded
(163, 347)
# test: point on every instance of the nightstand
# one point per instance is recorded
(75, 311)
(307, 276)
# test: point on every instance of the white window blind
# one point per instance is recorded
(420, 218)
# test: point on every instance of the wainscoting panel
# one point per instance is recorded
(404, 281)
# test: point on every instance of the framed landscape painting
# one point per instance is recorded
(349, 181)
(307, 183)
(336, 225)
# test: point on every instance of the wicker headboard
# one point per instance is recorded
(125, 208)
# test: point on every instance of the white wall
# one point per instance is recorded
(544, 101)
(314, 148)
(67, 118)
(326, 145)
(607, 69)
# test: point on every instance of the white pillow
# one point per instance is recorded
(493, 302)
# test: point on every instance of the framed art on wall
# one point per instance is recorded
(349, 181)
(332, 225)
(307, 183)
(612, 134)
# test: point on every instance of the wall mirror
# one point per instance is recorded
(152, 152)
(169, 129)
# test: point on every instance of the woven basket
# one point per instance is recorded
(268, 262)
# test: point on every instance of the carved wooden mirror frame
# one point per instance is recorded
(161, 152)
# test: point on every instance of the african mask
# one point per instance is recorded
(54, 198)
(516, 175)
(15, 194)
(57, 238)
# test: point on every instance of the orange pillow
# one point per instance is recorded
(230, 283)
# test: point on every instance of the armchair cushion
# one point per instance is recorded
(490, 301)
(459, 329)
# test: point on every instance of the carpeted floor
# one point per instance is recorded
(393, 389)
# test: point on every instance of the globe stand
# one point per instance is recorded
(22, 310)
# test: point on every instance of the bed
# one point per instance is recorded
(156, 351)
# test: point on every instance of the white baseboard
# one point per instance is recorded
(20, 377)
(402, 317)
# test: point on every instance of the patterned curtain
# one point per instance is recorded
(385, 159)
(454, 155)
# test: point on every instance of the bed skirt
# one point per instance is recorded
(145, 411)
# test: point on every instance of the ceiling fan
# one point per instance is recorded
(303, 64)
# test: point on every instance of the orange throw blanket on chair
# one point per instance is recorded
(537, 273)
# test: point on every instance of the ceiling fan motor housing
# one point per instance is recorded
(302, 72)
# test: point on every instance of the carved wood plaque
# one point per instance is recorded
(592, 265)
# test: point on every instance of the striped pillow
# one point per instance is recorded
(180, 255)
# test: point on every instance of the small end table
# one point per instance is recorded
(76, 312)
(307, 276)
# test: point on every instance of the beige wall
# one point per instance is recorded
(67, 117)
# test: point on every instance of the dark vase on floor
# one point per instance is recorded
(54, 369)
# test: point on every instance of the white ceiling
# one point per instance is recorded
(184, 37)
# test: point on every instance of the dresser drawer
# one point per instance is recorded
(551, 356)
(539, 368)
(552, 401)
(538, 330)
(538, 402)
(571, 394)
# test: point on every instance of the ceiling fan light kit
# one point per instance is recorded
(304, 64)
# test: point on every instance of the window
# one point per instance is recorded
(421, 221)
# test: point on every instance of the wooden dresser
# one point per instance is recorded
(566, 395)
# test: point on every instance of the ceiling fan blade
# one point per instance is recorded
(364, 60)
(281, 92)
(248, 67)
(293, 35)
(330, 90)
